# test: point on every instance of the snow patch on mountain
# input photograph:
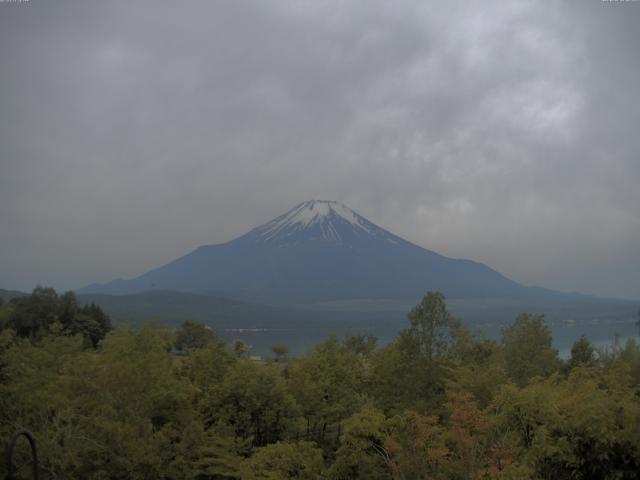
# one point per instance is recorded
(323, 213)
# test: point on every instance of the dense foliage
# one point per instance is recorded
(437, 403)
(44, 312)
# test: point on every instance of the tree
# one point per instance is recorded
(431, 329)
(411, 372)
(202, 453)
(582, 353)
(241, 348)
(86, 326)
(361, 344)
(417, 447)
(101, 320)
(468, 438)
(44, 313)
(328, 385)
(67, 308)
(478, 368)
(33, 315)
(282, 461)
(527, 349)
(192, 335)
(581, 428)
(363, 453)
(253, 400)
(280, 350)
(206, 367)
(5, 315)
(96, 415)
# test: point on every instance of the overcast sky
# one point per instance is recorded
(132, 132)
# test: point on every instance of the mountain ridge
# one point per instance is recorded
(320, 250)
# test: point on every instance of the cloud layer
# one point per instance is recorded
(132, 132)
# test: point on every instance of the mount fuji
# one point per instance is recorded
(320, 251)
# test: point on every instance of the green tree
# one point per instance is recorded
(100, 326)
(328, 385)
(67, 309)
(363, 453)
(280, 350)
(582, 428)
(432, 328)
(253, 400)
(6, 311)
(582, 353)
(44, 313)
(192, 335)
(33, 315)
(478, 369)
(412, 372)
(207, 367)
(361, 344)
(36, 393)
(86, 326)
(241, 348)
(199, 453)
(282, 461)
(527, 349)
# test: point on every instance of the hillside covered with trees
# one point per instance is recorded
(439, 402)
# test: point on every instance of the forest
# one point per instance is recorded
(439, 402)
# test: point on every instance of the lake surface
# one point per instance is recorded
(303, 335)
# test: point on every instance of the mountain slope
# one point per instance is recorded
(7, 295)
(317, 251)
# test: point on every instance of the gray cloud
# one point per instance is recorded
(132, 132)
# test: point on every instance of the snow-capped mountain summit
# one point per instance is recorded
(320, 220)
(319, 250)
